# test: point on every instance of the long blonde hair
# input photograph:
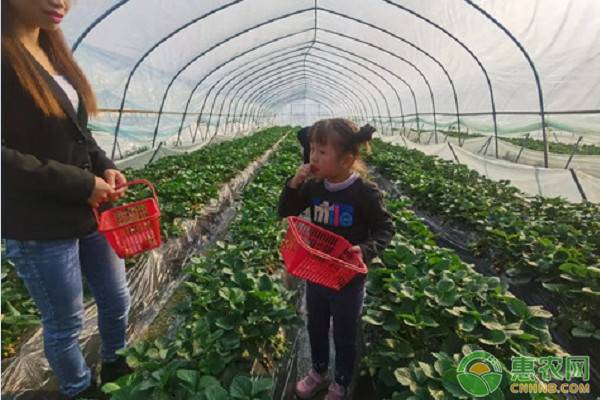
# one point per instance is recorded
(55, 46)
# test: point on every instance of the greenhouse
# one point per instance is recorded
(485, 158)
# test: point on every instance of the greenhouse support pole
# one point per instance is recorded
(573, 152)
(535, 75)
(521, 149)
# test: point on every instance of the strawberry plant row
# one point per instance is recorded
(184, 184)
(237, 312)
(546, 240)
(426, 309)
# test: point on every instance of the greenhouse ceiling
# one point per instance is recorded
(495, 66)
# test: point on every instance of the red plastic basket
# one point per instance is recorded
(132, 228)
(318, 255)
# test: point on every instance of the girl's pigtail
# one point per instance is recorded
(365, 134)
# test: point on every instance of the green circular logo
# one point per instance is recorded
(479, 373)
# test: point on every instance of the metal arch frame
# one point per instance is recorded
(315, 19)
(300, 88)
(284, 89)
(149, 51)
(235, 77)
(203, 53)
(338, 96)
(293, 97)
(401, 58)
(329, 61)
(350, 92)
(276, 74)
(278, 71)
(426, 81)
(325, 93)
(217, 45)
(227, 95)
(297, 96)
(533, 69)
(321, 93)
(468, 50)
(315, 48)
(272, 96)
(260, 46)
(411, 44)
(417, 69)
(306, 60)
(406, 61)
(412, 12)
(94, 23)
(327, 80)
(290, 100)
(278, 52)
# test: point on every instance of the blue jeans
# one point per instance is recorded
(52, 271)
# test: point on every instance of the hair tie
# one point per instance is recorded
(365, 133)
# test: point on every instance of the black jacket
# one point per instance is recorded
(48, 165)
(357, 213)
(303, 139)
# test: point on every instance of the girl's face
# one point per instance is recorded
(327, 163)
(43, 14)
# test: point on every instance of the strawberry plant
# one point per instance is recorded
(426, 308)
(237, 314)
(550, 241)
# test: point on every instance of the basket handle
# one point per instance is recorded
(130, 183)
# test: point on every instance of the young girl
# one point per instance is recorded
(341, 201)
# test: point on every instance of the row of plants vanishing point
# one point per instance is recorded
(185, 184)
(237, 312)
(545, 240)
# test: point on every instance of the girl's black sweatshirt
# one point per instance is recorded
(356, 213)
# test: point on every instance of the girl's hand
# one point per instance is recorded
(301, 174)
(115, 178)
(357, 252)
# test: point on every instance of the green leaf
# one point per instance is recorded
(450, 383)
(494, 337)
(370, 320)
(110, 388)
(216, 393)
(261, 385)
(403, 376)
(241, 388)
(188, 375)
(445, 285)
(581, 333)
(518, 307)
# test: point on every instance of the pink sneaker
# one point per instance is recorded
(311, 384)
(336, 392)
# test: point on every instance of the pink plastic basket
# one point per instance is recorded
(318, 255)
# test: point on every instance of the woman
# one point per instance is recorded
(53, 174)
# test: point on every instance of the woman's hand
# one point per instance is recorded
(301, 174)
(115, 178)
(101, 193)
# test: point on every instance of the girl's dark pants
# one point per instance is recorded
(345, 306)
